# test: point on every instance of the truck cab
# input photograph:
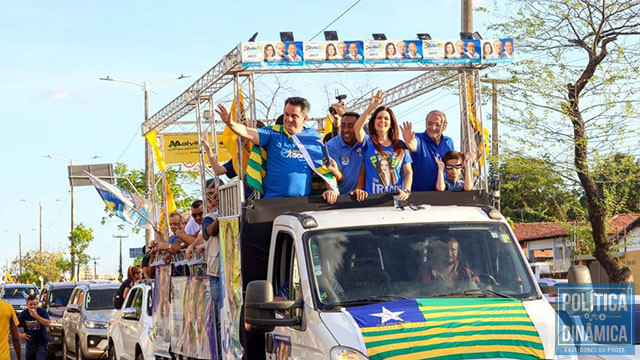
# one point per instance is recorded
(383, 282)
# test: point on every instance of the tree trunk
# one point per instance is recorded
(596, 210)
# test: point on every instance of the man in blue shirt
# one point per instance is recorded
(425, 147)
(288, 174)
(346, 151)
(34, 321)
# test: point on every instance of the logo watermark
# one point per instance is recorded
(595, 319)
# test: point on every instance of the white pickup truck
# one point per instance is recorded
(440, 277)
(130, 328)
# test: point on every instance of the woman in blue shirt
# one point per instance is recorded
(387, 166)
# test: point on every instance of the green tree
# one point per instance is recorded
(532, 191)
(618, 180)
(572, 96)
(50, 265)
(79, 241)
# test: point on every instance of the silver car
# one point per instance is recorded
(84, 321)
(16, 295)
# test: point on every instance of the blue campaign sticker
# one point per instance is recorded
(595, 319)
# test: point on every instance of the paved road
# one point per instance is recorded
(13, 354)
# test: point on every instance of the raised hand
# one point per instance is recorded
(407, 131)
(224, 114)
(377, 100)
(466, 161)
(439, 163)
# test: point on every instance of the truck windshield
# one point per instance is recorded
(100, 299)
(353, 266)
(59, 297)
(19, 292)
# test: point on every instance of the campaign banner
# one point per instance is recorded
(452, 51)
(333, 51)
(393, 51)
(161, 311)
(231, 289)
(595, 319)
(183, 148)
(495, 51)
(289, 53)
(178, 295)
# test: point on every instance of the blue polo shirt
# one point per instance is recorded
(425, 169)
(288, 174)
(349, 159)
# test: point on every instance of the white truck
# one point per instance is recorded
(130, 329)
(373, 281)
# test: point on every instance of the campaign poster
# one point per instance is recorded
(495, 51)
(379, 51)
(178, 295)
(162, 311)
(317, 50)
(453, 51)
(231, 288)
(197, 319)
(408, 50)
(252, 53)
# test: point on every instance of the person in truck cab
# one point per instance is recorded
(447, 266)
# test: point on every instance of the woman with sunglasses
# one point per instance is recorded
(453, 163)
(387, 164)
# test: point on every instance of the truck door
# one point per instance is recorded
(288, 342)
(129, 326)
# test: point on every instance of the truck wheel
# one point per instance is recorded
(79, 355)
(139, 356)
(65, 351)
(112, 351)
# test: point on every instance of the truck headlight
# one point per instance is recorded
(94, 324)
(346, 353)
(56, 321)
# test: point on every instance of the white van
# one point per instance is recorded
(417, 282)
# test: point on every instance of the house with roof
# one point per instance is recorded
(547, 245)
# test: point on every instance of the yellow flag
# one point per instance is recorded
(230, 140)
(171, 203)
(328, 126)
(8, 276)
(153, 141)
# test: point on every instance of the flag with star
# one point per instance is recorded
(448, 329)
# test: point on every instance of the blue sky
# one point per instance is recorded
(52, 55)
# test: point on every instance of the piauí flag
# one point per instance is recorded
(122, 203)
(448, 329)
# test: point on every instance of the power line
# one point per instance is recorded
(336, 19)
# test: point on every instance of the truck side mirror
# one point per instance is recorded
(260, 309)
(129, 313)
(579, 274)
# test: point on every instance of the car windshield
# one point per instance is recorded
(19, 292)
(59, 297)
(100, 299)
(381, 263)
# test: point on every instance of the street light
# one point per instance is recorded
(19, 247)
(40, 204)
(148, 159)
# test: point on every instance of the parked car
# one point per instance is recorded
(130, 328)
(84, 321)
(547, 286)
(54, 298)
(16, 295)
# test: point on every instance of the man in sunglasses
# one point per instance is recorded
(452, 163)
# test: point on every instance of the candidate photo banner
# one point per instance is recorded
(452, 51)
(230, 289)
(161, 311)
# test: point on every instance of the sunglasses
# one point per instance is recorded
(451, 167)
(196, 214)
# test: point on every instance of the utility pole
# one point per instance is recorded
(20, 252)
(467, 16)
(40, 205)
(149, 183)
(120, 266)
(494, 137)
(95, 267)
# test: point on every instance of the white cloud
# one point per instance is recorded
(62, 95)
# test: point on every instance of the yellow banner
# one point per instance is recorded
(183, 148)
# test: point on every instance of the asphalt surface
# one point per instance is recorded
(13, 354)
